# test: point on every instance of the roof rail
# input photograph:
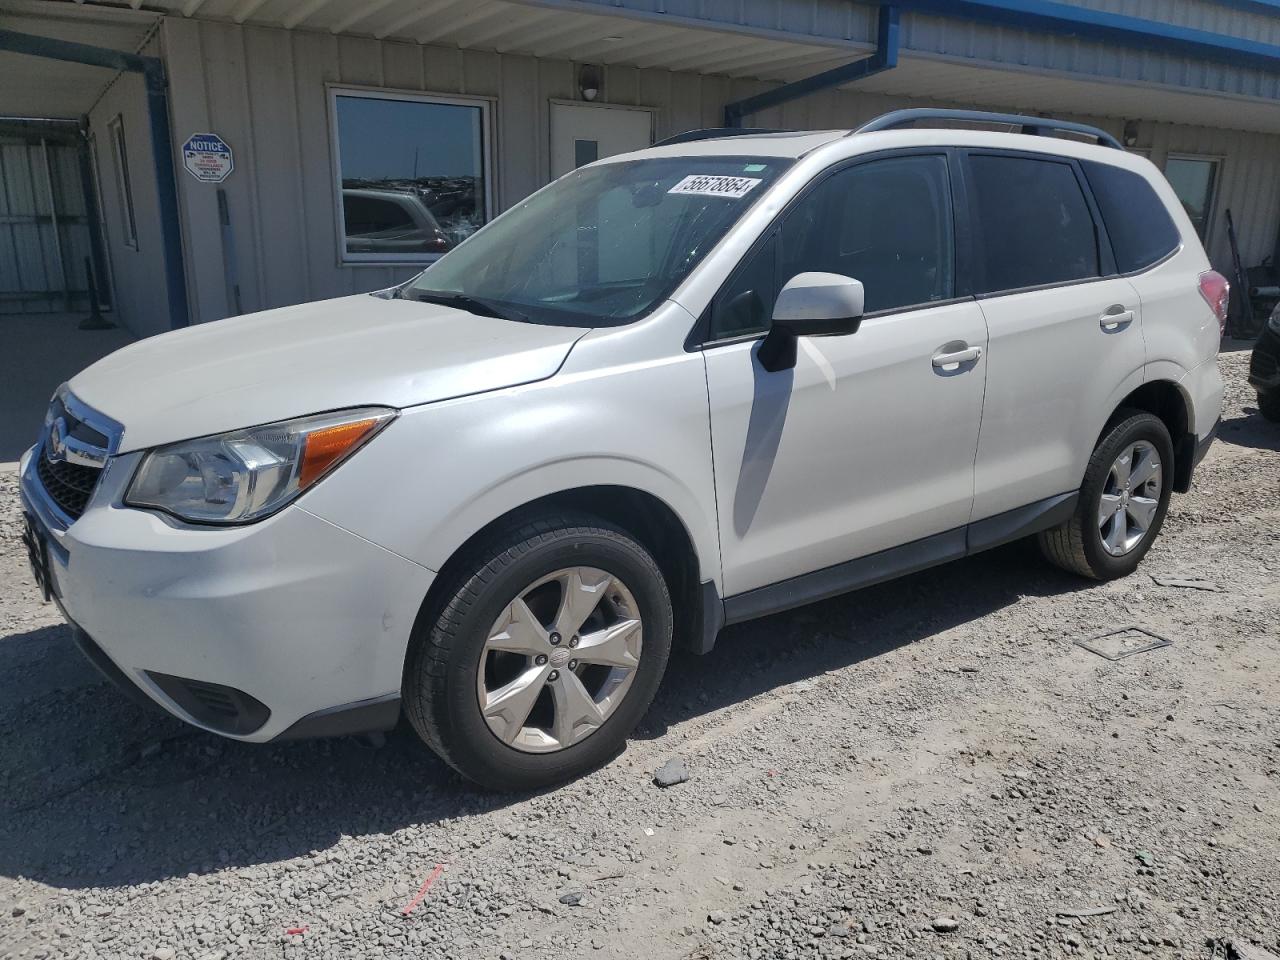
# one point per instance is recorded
(714, 133)
(1036, 126)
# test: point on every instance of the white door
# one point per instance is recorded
(868, 443)
(584, 133)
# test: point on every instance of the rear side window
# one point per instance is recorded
(1138, 224)
(1034, 222)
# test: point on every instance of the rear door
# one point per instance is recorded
(1065, 331)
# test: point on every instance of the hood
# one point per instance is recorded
(350, 352)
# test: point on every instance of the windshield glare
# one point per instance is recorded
(604, 244)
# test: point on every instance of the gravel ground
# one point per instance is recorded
(929, 768)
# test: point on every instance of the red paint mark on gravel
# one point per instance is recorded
(297, 931)
(422, 890)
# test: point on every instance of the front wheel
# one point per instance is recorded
(1122, 503)
(543, 656)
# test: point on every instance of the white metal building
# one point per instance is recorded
(362, 137)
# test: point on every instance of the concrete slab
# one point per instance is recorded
(38, 352)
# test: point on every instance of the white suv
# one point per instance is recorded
(684, 387)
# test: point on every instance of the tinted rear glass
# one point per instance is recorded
(1138, 224)
(1034, 222)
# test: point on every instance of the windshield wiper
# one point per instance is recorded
(453, 298)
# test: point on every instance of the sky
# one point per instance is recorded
(377, 138)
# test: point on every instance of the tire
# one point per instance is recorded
(1078, 545)
(1269, 404)
(459, 654)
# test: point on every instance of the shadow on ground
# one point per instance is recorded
(97, 791)
(1253, 430)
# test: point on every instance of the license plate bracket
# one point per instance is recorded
(34, 539)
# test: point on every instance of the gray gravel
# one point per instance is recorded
(929, 768)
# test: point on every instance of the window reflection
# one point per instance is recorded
(412, 173)
(1193, 181)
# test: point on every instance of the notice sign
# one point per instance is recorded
(207, 157)
(712, 186)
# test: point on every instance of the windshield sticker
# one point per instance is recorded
(709, 186)
(753, 168)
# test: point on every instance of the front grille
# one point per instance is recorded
(69, 485)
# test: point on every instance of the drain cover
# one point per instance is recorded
(1124, 642)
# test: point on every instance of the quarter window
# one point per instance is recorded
(1139, 226)
(1034, 223)
(412, 173)
(745, 304)
(886, 223)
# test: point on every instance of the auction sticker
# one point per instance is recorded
(705, 185)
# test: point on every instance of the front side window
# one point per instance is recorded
(412, 173)
(1034, 222)
(1194, 179)
(886, 223)
(603, 244)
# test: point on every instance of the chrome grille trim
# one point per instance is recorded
(76, 438)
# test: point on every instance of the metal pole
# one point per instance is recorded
(89, 186)
(53, 220)
(175, 274)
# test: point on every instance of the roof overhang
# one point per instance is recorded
(36, 86)
(621, 35)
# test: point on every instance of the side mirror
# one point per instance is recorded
(811, 305)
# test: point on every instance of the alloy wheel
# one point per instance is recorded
(1130, 498)
(559, 659)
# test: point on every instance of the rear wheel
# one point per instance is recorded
(544, 656)
(1269, 404)
(1122, 503)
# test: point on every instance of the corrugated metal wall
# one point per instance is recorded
(1031, 48)
(263, 90)
(44, 229)
(1224, 18)
(836, 20)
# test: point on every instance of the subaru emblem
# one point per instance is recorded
(56, 448)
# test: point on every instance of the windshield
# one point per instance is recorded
(602, 245)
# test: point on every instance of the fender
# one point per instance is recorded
(441, 472)
(561, 476)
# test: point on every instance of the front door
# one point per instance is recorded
(869, 442)
(583, 133)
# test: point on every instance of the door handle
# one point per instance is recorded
(956, 357)
(1116, 318)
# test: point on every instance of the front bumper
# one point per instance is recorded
(1264, 364)
(293, 613)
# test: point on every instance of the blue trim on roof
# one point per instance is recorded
(1089, 24)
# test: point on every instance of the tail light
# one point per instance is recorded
(1217, 294)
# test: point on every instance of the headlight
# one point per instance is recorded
(1274, 322)
(247, 474)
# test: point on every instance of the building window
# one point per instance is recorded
(1194, 180)
(412, 173)
(124, 187)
